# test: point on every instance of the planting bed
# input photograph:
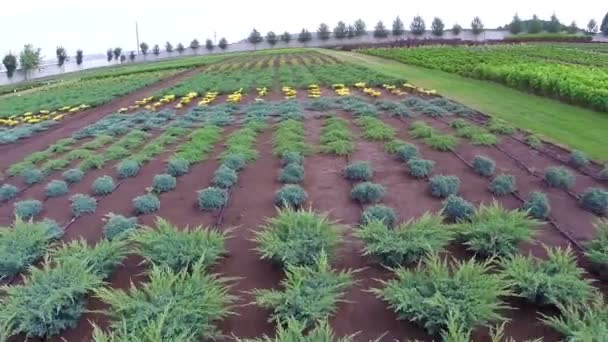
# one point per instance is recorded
(278, 191)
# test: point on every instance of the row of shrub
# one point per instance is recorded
(336, 138)
(289, 143)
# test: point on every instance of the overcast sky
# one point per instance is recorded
(95, 25)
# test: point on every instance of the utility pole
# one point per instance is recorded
(137, 36)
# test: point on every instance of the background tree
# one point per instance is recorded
(323, 32)
(62, 55)
(380, 30)
(180, 48)
(535, 25)
(476, 26)
(592, 27)
(132, 56)
(417, 26)
(79, 57)
(10, 63)
(109, 55)
(573, 28)
(360, 28)
(554, 25)
(168, 47)
(398, 27)
(456, 29)
(255, 38)
(350, 31)
(117, 52)
(194, 45)
(144, 48)
(304, 36)
(340, 30)
(209, 45)
(286, 37)
(123, 58)
(29, 58)
(437, 27)
(156, 50)
(604, 26)
(272, 38)
(223, 43)
(515, 26)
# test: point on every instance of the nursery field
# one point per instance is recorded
(570, 74)
(294, 196)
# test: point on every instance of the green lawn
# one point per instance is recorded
(575, 127)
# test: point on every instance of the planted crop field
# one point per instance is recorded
(565, 72)
(295, 196)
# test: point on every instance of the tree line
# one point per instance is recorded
(30, 57)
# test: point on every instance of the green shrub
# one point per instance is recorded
(294, 331)
(456, 208)
(597, 249)
(391, 147)
(537, 205)
(146, 204)
(177, 167)
(442, 142)
(118, 226)
(367, 192)
(289, 136)
(103, 186)
(380, 213)
(420, 168)
(359, 171)
(484, 166)
(375, 129)
(484, 139)
(291, 174)
(78, 154)
(101, 259)
(467, 293)
(583, 322)
(534, 141)
(82, 204)
(407, 152)
(127, 168)
(420, 129)
(27, 209)
(559, 177)
(503, 185)
(171, 306)
(309, 293)
(212, 198)
(459, 123)
(95, 161)
(406, 243)
(292, 158)
(166, 245)
(32, 176)
(595, 200)
(21, 245)
(290, 195)
(163, 183)
(494, 230)
(56, 188)
(72, 176)
(298, 237)
(224, 177)
(500, 126)
(235, 161)
(61, 288)
(8, 192)
(578, 159)
(556, 280)
(443, 186)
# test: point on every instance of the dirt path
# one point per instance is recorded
(251, 202)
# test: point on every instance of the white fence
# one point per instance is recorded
(100, 61)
